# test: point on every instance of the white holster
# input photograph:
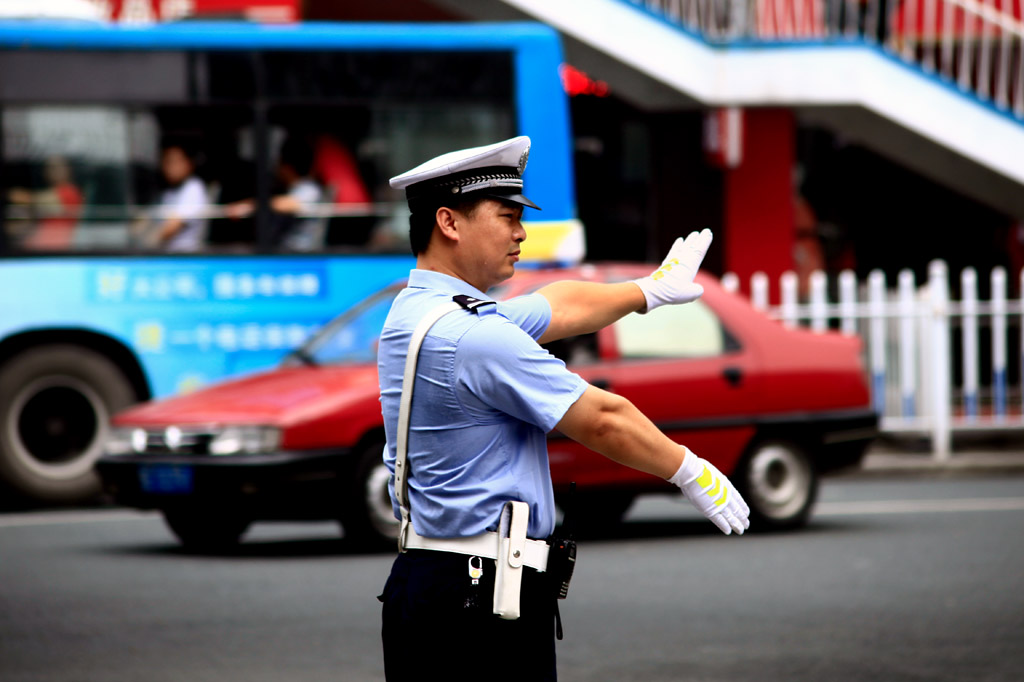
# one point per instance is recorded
(508, 577)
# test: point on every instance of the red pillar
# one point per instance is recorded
(757, 213)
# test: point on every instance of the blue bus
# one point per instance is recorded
(284, 138)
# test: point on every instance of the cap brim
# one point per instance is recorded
(516, 198)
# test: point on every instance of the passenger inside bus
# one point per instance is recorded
(296, 227)
(54, 210)
(178, 223)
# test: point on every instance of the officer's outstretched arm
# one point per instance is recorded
(584, 307)
(613, 426)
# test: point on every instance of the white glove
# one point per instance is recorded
(712, 493)
(673, 281)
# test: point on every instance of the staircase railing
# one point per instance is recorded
(974, 45)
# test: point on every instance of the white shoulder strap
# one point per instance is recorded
(405, 405)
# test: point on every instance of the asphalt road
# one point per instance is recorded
(904, 579)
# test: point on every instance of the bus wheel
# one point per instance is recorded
(55, 405)
(206, 529)
(367, 516)
(779, 483)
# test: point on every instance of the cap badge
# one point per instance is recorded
(522, 160)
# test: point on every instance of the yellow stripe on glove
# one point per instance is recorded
(712, 493)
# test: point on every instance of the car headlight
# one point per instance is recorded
(124, 441)
(245, 440)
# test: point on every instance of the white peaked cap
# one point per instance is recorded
(494, 170)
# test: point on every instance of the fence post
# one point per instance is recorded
(788, 284)
(876, 307)
(819, 301)
(848, 302)
(999, 342)
(731, 282)
(969, 335)
(908, 345)
(759, 291)
(938, 289)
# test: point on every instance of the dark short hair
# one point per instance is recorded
(424, 217)
(188, 145)
(297, 154)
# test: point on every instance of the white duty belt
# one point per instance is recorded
(509, 546)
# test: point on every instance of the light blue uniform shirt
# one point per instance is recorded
(485, 397)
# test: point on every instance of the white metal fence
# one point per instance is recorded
(931, 373)
(975, 44)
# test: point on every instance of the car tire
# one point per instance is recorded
(55, 406)
(206, 530)
(368, 518)
(779, 483)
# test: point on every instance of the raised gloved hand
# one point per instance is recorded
(712, 493)
(673, 281)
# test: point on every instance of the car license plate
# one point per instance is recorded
(165, 479)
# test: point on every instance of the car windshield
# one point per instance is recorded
(350, 338)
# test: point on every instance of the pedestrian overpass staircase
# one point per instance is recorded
(937, 85)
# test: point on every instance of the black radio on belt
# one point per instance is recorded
(562, 555)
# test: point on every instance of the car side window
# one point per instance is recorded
(676, 331)
(575, 350)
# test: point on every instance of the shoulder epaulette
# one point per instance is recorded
(470, 303)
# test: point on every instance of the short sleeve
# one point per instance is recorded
(531, 313)
(306, 193)
(192, 201)
(499, 368)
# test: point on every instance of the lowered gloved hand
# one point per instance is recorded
(673, 281)
(712, 493)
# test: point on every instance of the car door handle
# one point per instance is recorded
(734, 375)
(600, 383)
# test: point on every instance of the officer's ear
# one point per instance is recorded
(446, 222)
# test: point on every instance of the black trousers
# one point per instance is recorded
(436, 623)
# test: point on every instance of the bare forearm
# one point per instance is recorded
(615, 428)
(171, 227)
(584, 307)
(285, 203)
(612, 426)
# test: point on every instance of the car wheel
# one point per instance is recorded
(779, 484)
(55, 405)
(368, 518)
(204, 529)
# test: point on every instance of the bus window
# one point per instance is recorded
(367, 116)
(88, 178)
(282, 150)
(221, 143)
(336, 161)
(68, 174)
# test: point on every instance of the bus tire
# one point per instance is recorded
(55, 406)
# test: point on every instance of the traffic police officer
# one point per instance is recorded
(486, 394)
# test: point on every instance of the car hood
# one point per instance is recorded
(282, 397)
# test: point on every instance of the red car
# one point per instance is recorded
(772, 407)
